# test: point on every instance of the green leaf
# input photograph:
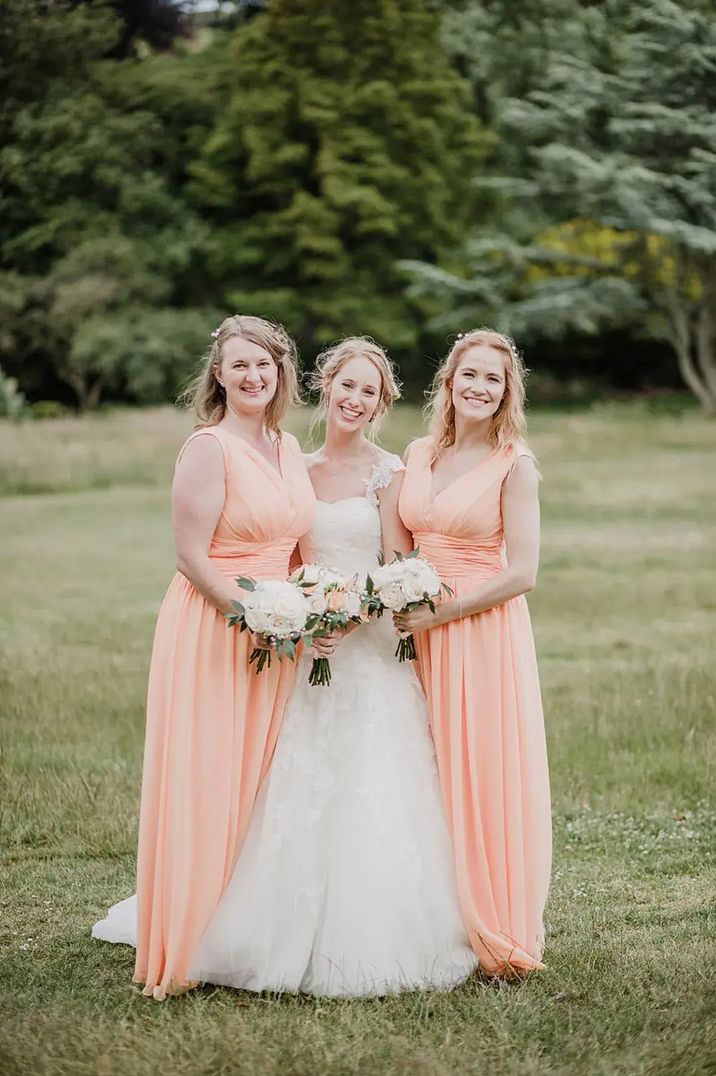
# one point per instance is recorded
(246, 583)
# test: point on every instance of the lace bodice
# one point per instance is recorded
(346, 534)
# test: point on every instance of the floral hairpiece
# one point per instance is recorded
(215, 333)
(460, 336)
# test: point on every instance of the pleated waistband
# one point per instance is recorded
(259, 561)
(454, 556)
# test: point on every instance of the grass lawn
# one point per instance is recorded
(624, 621)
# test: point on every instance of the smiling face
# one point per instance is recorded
(355, 394)
(248, 374)
(479, 382)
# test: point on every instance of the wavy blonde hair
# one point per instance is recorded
(331, 361)
(508, 422)
(207, 397)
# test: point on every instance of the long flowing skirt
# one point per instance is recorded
(482, 685)
(345, 882)
(211, 730)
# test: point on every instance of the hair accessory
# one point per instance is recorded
(460, 336)
(215, 333)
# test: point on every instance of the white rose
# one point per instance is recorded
(317, 601)
(307, 573)
(276, 607)
(351, 603)
(392, 596)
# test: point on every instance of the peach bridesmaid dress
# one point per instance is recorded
(480, 677)
(212, 722)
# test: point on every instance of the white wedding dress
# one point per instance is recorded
(344, 885)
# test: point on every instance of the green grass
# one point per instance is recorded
(624, 619)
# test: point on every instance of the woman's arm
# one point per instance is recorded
(520, 515)
(396, 537)
(197, 502)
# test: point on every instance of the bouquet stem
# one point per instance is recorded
(261, 657)
(405, 650)
(320, 674)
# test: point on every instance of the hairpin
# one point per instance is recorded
(460, 336)
(215, 333)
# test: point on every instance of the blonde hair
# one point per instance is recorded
(331, 361)
(508, 422)
(207, 397)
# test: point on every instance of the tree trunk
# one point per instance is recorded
(87, 395)
(94, 394)
(686, 342)
(706, 329)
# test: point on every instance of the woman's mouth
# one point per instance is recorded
(350, 413)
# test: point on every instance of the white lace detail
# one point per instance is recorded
(381, 476)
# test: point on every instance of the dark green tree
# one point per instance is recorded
(619, 158)
(95, 233)
(347, 143)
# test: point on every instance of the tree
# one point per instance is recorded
(95, 229)
(346, 143)
(620, 158)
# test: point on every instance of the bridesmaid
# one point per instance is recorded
(470, 498)
(241, 500)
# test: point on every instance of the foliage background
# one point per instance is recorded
(402, 168)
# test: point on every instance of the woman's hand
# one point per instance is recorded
(260, 642)
(324, 645)
(421, 619)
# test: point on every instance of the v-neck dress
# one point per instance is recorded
(481, 681)
(212, 722)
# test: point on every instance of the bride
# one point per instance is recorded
(344, 885)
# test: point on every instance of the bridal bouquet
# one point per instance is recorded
(403, 585)
(333, 601)
(275, 609)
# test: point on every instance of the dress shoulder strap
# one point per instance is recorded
(382, 475)
(516, 451)
(207, 431)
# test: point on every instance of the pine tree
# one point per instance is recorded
(620, 158)
(347, 143)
